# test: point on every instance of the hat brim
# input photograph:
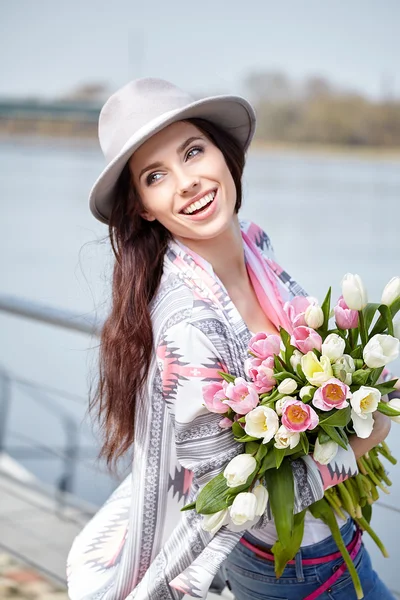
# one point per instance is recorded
(232, 113)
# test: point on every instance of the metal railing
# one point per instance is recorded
(26, 446)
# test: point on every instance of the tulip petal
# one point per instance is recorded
(363, 424)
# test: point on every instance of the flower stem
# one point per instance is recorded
(363, 523)
(363, 331)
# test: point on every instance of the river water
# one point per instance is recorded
(326, 215)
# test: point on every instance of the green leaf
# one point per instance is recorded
(290, 451)
(338, 418)
(369, 313)
(277, 365)
(387, 317)
(304, 442)
(190, 506)
(395, 307)
(387, 387)
(367, 512)
(285, 337)
(375, 374)
(300, 373)
(282, 553)
(280, 485)
(381, 325)
(279, 456)
(262, 452)
(251, 448)
(268, 462)
(385, 409)
(326, 308)
(360, 377)
(323, 437)
(284, 375)
(334, 435)
(229, 378)
(245, 438)
(357, 352)
(212, 497)
(238, 430)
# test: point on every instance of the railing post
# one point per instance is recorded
(5, 402)
(66, 481)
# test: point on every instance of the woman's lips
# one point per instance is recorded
(206, 212)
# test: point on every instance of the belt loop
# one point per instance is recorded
(299, 567)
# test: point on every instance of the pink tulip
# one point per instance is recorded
(345, 317)
(242, 396)
(296, 308)
(225, 423)
(332, 394)
(305, 339)
(264, 345)
(297, 416)
(261, 373)
(213, 394)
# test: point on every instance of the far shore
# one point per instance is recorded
(383, 153)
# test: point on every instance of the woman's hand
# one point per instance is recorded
(382, 424)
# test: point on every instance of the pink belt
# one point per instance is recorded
(353, 549)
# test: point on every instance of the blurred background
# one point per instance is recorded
(322, 178)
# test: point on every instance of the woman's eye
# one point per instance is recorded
(194, 151)
(151, 178)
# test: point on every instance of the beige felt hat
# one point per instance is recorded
(142, 108)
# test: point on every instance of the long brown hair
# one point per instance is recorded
(126, 346)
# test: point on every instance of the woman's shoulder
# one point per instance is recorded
(177, 304)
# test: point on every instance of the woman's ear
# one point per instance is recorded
(147, 216)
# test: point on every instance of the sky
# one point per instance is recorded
(48, 48)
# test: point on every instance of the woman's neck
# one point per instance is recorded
(225, 253)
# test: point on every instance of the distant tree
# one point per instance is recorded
(272, 86)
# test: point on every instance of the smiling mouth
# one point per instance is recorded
(200, 205)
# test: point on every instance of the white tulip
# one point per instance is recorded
(344, 368)
(279, 404)
(286, 439)
(333, 347)
(396, 328)
(381, 350)
(354, 292)
(324, 453)
(239, 469)
(395, 403)
(314, 317)
(365, 400)
(306, 390)
(363, 424)
(262, 422)
(391, 291)
(261, 493)
(213, 523)
(295, 359)
(287, 386)
(243, 508)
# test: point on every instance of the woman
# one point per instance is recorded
(191, 282)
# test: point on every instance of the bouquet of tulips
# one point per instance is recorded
(304, 394)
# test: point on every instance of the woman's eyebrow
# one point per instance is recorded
(180, 149)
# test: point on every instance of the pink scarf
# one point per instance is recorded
(270, 291)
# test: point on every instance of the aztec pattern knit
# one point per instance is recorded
(139, 546)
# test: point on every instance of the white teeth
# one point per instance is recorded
(200, 203)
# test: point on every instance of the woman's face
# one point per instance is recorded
(184, 182)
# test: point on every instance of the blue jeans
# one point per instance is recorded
(253, 578)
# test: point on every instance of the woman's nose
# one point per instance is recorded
(187, 183)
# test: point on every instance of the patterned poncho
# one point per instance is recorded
(139, 545)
